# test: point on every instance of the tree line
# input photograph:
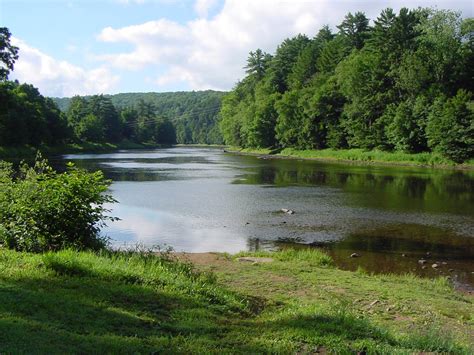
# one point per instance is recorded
(404, 83)
(147, 117)
(29, 118)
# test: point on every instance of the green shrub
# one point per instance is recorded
(450, 127)
(42, 210)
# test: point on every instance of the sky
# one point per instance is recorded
(81, 47)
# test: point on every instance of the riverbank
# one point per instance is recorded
(294, 302)
(359, 156)
(86, 147)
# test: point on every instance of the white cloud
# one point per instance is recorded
(59, 78)
(126, 2)
(205, 53)
(202, 7)
(210, 53)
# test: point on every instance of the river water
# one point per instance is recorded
(203, 199)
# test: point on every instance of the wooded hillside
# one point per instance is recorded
(404, 83)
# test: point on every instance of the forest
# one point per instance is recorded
(27, 118)
(403, 84)
(146, 117)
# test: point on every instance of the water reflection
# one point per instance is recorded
(200, 199)
(378, 187)
(141, 226)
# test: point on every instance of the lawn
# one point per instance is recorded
(80, 302)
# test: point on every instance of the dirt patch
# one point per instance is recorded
(255, 259)
(204, 259)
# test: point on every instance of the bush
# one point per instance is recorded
(450, 127)
(43, 210)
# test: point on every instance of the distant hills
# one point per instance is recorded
(193, 113)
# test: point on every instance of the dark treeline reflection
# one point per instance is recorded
(376, 187)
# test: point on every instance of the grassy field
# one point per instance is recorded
(71, 302)
(361, 156)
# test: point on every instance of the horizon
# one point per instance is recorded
(141, 46)
(142, 92)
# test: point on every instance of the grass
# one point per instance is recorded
(251, 151)
(362, 156)
(118, 302)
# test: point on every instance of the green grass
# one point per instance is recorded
(79, 302)
(256, 151)
(363, 156)
(313, 257)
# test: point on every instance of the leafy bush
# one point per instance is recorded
(451, 127)
(42, 210)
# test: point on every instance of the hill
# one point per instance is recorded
(194, 113)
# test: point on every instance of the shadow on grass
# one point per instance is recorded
(342, 327)
(85, 314)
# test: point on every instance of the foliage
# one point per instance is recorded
(41, 209)
(392, 86)
(450, 127)
(8, 53)
(141, 116)
(28, 118)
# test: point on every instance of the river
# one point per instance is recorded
(203, 199)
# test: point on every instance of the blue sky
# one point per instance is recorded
(109, 46)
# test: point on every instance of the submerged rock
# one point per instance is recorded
(422, 261)
(435, 266)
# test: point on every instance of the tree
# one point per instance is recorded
(450, 127)
(363, 88)
(90, 129)
(440, 47)
(290, 120)
(257, 63)
(332, 53)
(128, 122)
(406, 124)
(361, 79)
(326, 106)
(165, 132)
(27, 117)
(8, 54)
(282, 63)
(101, 106)
(230, 119)
(305, 66)
(355, 28)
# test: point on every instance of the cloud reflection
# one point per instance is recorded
(158, 228)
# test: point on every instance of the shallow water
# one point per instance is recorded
(202, 199)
